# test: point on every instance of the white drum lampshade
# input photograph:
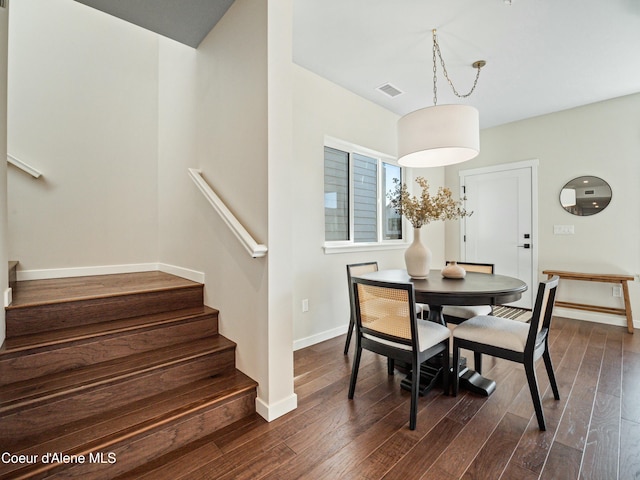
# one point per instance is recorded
(438, 136)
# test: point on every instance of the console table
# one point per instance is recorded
(598, 277)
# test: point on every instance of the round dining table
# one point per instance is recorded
(474, 289)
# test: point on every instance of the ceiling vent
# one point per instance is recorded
(389, 90)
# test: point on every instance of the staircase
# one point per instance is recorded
(114, 372)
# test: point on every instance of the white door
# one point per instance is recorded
(502, 229)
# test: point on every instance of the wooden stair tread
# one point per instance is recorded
(30, 293)
(52, 338)
(101, 432)
(42, 389)
(130, 364)
(191, 454)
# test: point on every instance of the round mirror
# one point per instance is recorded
(585, 196)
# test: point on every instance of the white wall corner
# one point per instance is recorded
(272, 411)
(193, 275)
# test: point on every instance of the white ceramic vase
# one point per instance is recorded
(453, 270)
(417, 257)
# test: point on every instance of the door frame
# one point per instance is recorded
(533, 164)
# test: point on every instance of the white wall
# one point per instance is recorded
(83, 93)
(4, 235)
(113, 115)
(603, 140)
(213, 116)
(323, 108)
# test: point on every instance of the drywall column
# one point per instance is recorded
(4, 236)
(278, 396)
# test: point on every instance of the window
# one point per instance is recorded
(356, 183)
(336, 195)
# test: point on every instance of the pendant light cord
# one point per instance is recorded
(436, 52)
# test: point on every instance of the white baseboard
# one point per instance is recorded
(8, 297)
(319, 337)
(84, 271)
(273, 411)
(187, 273)
(595, 317)
(109, 270)
(617, 320)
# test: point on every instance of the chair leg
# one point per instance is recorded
(391, 365)
(456, 368)
(535, 393)
(552, 377)
(415, 388)
(349, 334)
(354, 371)
(477, 362)
(446, 370)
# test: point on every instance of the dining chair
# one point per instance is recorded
(457, 314)
(356, 269)
(512, 340)
(387, 324)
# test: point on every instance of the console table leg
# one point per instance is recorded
(627, 306)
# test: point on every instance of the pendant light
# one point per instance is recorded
(442, 134)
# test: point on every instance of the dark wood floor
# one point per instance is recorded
(593, 432)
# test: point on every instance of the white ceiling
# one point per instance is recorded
(542, 55)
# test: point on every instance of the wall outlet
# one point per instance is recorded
(617, 291)
(563, 230)
(305, 305)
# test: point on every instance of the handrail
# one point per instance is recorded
(25, 167)
(255, 250)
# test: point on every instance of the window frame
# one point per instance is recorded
(343, 246)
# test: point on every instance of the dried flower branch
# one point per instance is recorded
(426, 208)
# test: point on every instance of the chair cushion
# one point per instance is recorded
(429, 333)
(496, 331)
(466, 311)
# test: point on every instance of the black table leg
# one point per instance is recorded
(476, 383)
(469, 379)
(430, 375)
(435, 314)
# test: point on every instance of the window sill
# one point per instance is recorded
(330, 249)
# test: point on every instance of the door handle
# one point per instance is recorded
(526, 245)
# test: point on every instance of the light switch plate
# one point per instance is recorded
(563, 230)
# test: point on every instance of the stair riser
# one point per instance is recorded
(137, 373)
(29, 420)
(155, 442)
(25, 366)
(28, 320)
